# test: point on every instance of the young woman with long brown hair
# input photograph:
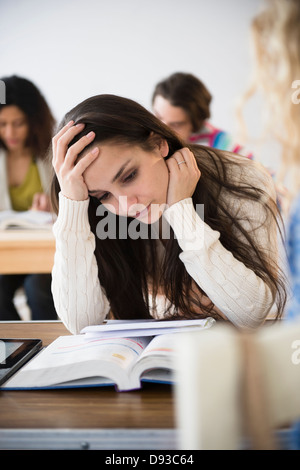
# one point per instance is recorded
(130, 238)
(26, 128)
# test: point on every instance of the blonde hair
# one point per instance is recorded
(276, 45)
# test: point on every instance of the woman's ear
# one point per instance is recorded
(163, 148)
(159, 143)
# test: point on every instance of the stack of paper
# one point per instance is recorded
(132, 328)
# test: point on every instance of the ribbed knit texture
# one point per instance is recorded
(241, 295)
(78, 297)
(237, 291)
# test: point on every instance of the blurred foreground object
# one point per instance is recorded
(238, 386)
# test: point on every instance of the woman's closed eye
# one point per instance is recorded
(130, 177)
(127, 179)
(104, 197)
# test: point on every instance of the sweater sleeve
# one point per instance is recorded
(78, 297)
(236, 290)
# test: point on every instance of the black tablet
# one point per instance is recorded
(14, 353)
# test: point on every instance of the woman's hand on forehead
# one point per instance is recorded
(68, 172)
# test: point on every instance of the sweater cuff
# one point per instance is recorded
(72, 215)
(189, 227)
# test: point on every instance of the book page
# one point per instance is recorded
(26, 219)
(137, 328)
(71, 358)
(162, 345)
(159, 354)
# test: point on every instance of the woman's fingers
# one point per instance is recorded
(63, 130)
(59, 134)
(61, 141)
(77, 148)
(41, 202)
(185, 158)
(71, 180)
(68, 171)
(84, 162)
(183, 175)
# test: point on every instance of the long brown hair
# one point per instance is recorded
(126, 266)
(26, 96)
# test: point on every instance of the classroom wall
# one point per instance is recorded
(73, 49)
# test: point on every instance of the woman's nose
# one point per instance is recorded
(126, 202)
(9, 131)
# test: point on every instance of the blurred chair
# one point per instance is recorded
(21, 305)
(235, 389)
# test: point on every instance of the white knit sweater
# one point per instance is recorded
(237, 291)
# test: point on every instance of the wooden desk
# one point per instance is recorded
(26, 251)
(95, 418)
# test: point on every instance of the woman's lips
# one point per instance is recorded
(11, 143)
(144, 212)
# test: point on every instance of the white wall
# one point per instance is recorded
(73, 49)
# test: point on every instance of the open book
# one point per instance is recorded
(31, 219)
(80, 361)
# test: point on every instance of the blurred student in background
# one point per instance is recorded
(182, 102)
(276, 46)
(26, 126)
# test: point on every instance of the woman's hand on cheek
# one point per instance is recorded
(69, 174)
(184, 175)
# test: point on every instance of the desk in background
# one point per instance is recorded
(95, 418)
(26, 251)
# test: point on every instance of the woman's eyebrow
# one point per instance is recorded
(93, 191)
(120, 171)
(118, 174)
